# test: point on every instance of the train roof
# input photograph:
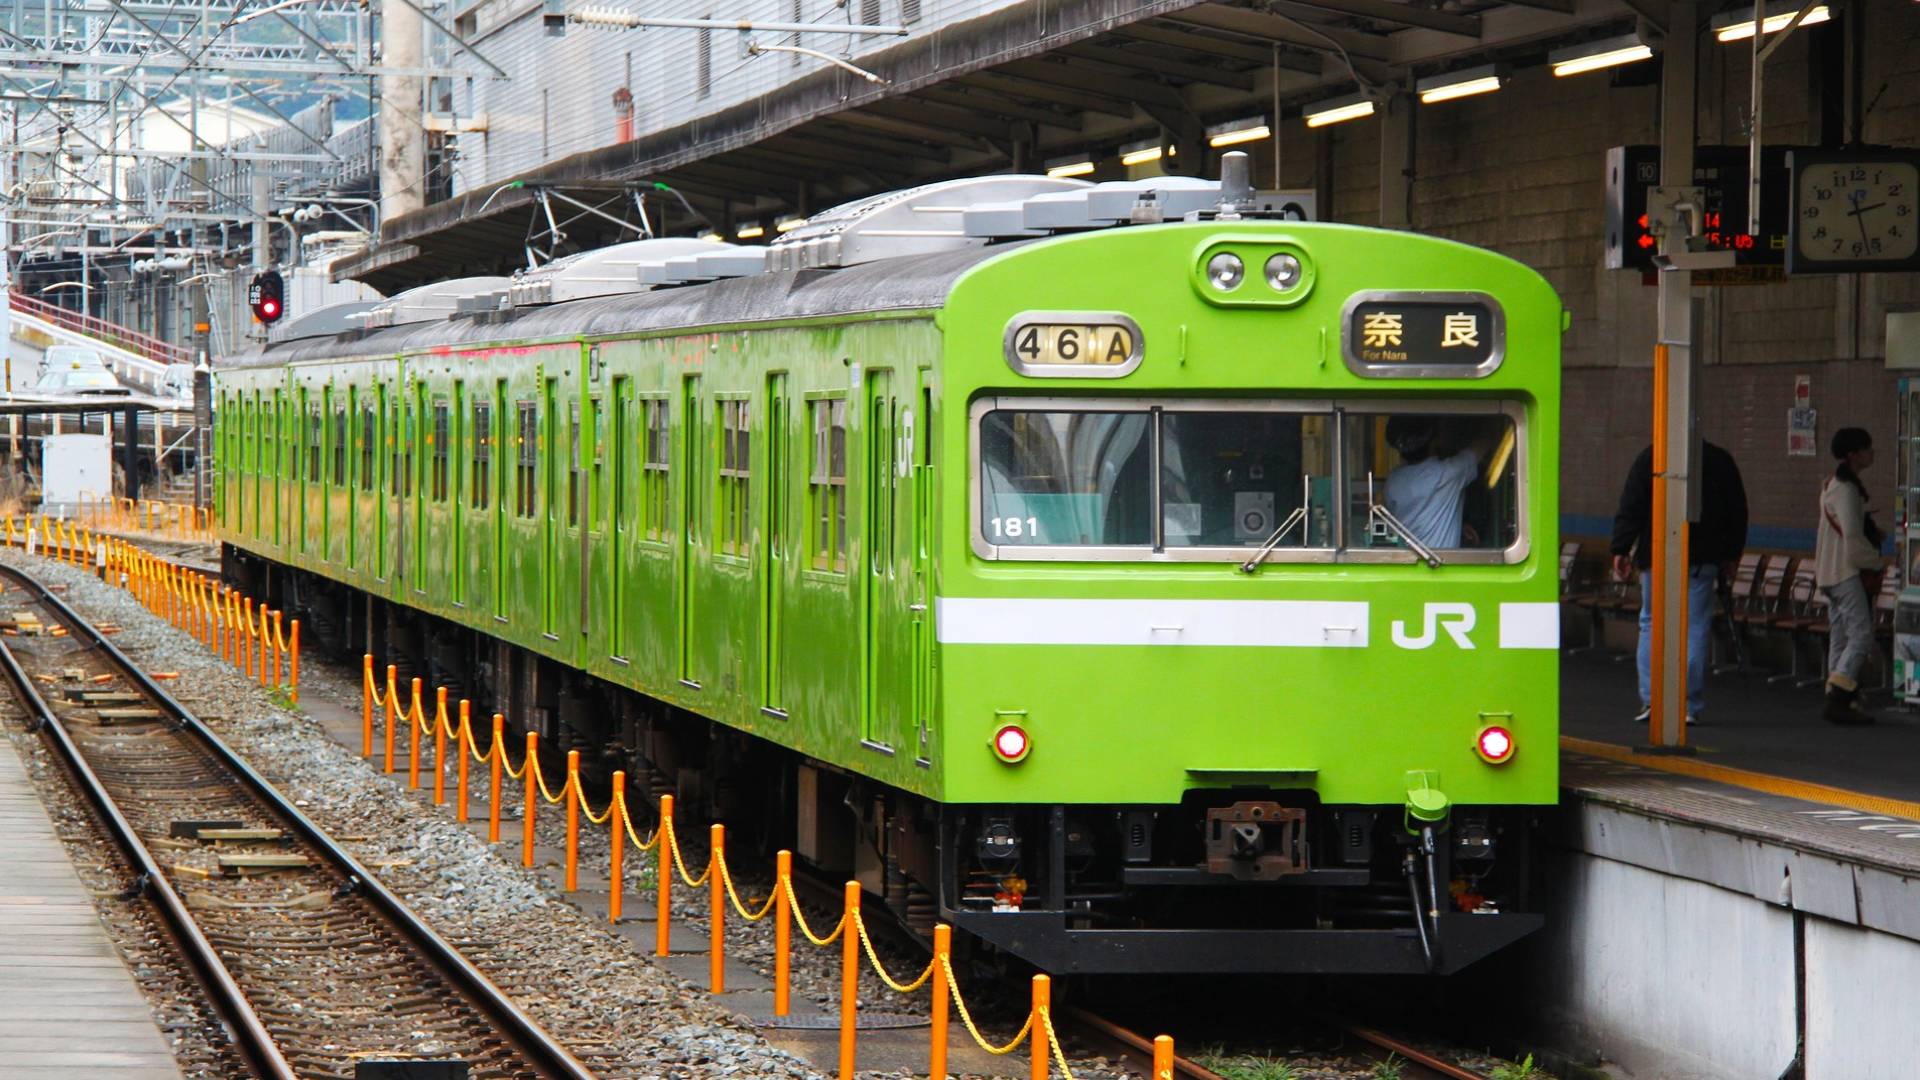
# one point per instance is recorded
(899, 251)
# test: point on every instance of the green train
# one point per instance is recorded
(1133, 578)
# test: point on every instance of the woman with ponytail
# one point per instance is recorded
(1847, 567)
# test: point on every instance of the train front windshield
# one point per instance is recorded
(1202, 480)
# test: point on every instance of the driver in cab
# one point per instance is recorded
(1428, 491)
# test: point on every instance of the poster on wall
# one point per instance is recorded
(1801, 424)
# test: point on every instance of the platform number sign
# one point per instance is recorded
(1075, 344)
(1855, 210)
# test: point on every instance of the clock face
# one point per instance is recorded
(1867, 211)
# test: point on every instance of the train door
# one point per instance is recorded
(917, 440)
(586, 475)
(504, 466)
(619, 514)
(453, 501)
(382, 436)
(418, 434)
(351, 482)
(773, 552)
(693, 445)
(882, 612)
(276, 463)
(549, 540)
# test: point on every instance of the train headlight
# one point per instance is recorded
(1010, 744)
(1494, 745)
(1225, 271)
(1283, 272)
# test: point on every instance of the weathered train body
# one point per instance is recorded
(1155, 597)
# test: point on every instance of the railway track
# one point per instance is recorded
(1368, 1044)
(312, 964)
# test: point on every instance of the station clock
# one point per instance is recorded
(1854, 210)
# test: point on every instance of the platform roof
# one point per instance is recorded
(986, 96)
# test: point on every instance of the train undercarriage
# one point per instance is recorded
(1253, 879)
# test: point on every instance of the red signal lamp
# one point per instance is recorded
(1010, 744)
(1494, 745)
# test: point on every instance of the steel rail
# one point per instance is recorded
(520, 1030)
(250, 1036)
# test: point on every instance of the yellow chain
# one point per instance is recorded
(626, 818)
(960, 1004)
(444, 722)
(473, 744)
(873, 958)
(726, 877)
(680, 864)
(1046, 1021)
(786, 890)
(506, 762)
(587, 807)
(541, 779)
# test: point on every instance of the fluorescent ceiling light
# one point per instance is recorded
(1458, 84)
(1595, 55)
(1738, 26)
(1338, 110)
(1077, 165)
(789, 223)
(712, 237)
(1142, 152)
(1235, 132)
(751, 230)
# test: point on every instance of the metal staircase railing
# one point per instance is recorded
(125, 337)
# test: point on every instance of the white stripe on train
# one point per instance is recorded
(1295, 624)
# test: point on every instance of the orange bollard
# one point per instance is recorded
(937, 1052)
(366, 705)
(782, 934)
(414, 723)
(496, 754)
(1163, 1057)
(617, 834)
(573, 820)
(717, 908)
(1042, 998)
(462, 734)
(533, 800)
(849, 979)
(277, 646)
(663, 874)
(293, 664)
(260, 661)
(391, 707)
(440, 747)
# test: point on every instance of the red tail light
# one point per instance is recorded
(1494, 745)
(1010, 744)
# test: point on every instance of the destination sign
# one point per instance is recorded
(1423, 335)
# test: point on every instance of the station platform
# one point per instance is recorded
(68, 1005)
(1746, 910)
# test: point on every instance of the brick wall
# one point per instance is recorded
(1520, 172)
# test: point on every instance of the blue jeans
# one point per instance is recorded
(1700, 583)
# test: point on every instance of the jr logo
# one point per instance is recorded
(1456, 619)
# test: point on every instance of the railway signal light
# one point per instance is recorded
(1010, 744)
(267, 296)
(1494, 745)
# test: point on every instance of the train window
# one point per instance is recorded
(655, 500)
(369, 447)
(482, 455)
(340, 445)
(1246, 479)
(735, 474)
(1078, 478)
(1431, 479)
(527, 462)
(573, 464)
(313, 445)
(442, 448)
(827, 483)
(596, 488)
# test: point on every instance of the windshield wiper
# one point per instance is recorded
(1299, 517)
(1377, 513)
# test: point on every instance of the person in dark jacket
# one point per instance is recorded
(1713, 542)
